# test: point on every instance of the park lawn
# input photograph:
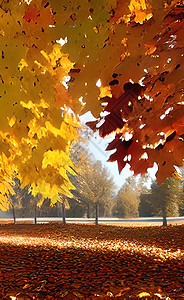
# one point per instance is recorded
(53, 261)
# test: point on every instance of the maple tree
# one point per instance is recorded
(145, 106)
(35, 134)
(121, 57)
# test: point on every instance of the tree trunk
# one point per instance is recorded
(164, 219)
(35, 210)
(59, 209)
(13, 211)
(96, 215)
(63, 210)
(88, 211)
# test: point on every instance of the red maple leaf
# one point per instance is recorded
(32, 13)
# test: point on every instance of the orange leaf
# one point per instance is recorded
(31, 13)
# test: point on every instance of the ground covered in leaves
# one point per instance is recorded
(53, 261)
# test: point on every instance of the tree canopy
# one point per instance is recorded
(120, 59)
(165, 200)
(93, 182)
(167, 197)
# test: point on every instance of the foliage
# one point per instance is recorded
(15, 196)
(101, 47)
(145, 107)
(78, 209)
(164, 200)
(93, 182)
(145, 205)
(6, 190)
(15, 199)
(91, 175)
(166, 197)
(127, 200)
(181, 201)
(23, 202)
(35, 134)
(27, 208)
(109, 261)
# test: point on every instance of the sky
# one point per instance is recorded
(97, 146)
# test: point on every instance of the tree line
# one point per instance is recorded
(134, 199)
(95, 189)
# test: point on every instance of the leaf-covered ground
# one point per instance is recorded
(53, 261)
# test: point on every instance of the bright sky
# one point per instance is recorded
(98, 145)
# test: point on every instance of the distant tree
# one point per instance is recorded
(23, 204)
(94, 188)
(165, 198)
(94, 185)
(127, 200)
(77, 209)
(16, 197)
(181, 201)
(145, 205)
(46, 210)
(181, 204)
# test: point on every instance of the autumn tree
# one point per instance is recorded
(21, 201)
(181, 204)
(181, 201)
(11, 196)
(165, 199)
(150, 204)
(120, 59)
(23, 204)
(16, 198)
(145, 205)
(127, 200)
(144, 107)
(93, 183)
(28, 208)
(35, 134)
